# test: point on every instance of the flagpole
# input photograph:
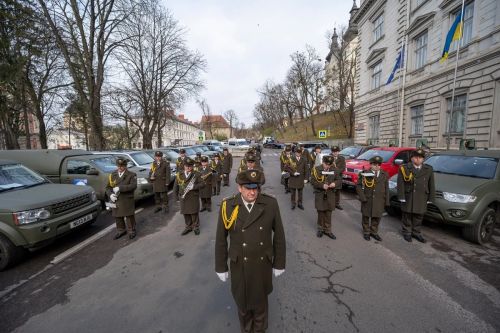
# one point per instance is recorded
(448, 138)
(400, 79)
(405, 58)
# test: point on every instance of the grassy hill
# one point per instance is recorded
(302, 131)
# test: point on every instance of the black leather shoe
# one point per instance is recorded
(203, 209)
(419, 238)
(157, 209)
(329, 234)
(120, 234)
(366, 237)
(376, 237)
(339, 207)
(186, 231)
(293, 206)
(197, 232)
(300, 206)
(319, 234)
(132, 235)
(407, 238)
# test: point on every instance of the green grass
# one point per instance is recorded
(302, 130)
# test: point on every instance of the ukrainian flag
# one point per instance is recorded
(455, 33)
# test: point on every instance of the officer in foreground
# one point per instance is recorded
(120, 190)
(159, 176)
(373, 192)
(325, 180)
(257, 249)
(415, 191)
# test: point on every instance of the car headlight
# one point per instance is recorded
(142, 181)
(93, 196)
(460, 198)
(392, 184)
(31, 216)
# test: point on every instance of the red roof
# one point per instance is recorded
(216, 121)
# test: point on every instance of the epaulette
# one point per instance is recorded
(229, 197)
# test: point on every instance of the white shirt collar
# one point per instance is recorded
(246, 204)
(120, 174)
(187, 174)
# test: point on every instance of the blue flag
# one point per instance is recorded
(397, 65)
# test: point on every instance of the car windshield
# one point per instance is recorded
(197, 149)
(106, 164)
(469, 166)
(142, 158)
(385, 154)
(190, 151)
(350, 151)
(18, 176)
(171, 155)
(204, 148)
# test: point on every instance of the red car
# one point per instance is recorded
(392, 158)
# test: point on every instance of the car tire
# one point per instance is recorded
(482, 231)
(9, 253)
(393, 211)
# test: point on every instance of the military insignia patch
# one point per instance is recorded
(253, 174)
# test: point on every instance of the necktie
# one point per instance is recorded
(249, 206)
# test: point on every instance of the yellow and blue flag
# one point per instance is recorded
(455, 33)
(397, 65)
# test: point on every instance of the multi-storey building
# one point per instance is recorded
(426, 106)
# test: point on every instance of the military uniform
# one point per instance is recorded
(250, 157)
(122, 186)
(373, 192)
(216, 165)
(415, 190)
(190, 203)
(285, 167)
(179, 163)
(159, 176)
(315, 158)
(256, 248)
(339, 166)
(324, 200)
(298, 174)
(206, 176)
(227, 165)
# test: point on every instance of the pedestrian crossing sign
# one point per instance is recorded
(322, 134)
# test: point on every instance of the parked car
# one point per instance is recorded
(34, 211)
(213, 145)
(467, 192)
(309, 145)
(238, 144)
(274, 145)
(204, 150)
(392, 158)
(168, 155)
(77, 167)
(138, 158)
(353, 152)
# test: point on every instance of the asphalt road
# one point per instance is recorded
(162, 282)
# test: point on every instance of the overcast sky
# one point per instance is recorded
(247, 42)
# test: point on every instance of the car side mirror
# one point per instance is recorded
(92, 172)
(398, 161)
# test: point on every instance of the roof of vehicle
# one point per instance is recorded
(394, 148)
(471, 153)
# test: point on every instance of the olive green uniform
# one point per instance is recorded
(373, 192)
(227, 165)
(190, 204)
(339, 166)
(324, 200)
(285, 167)
(217, 176)
(206, 189)
(296, 183)
(125, 203)
(256, 246)
(159, 176)
(415, 190)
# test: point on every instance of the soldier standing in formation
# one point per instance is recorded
(206, 176)
(315, 157)
(197, 161)
(120, 190)
(186, 187)
(285, 157)
(217, 176)
(339, 166)
(180, 160)
(373, 192)
(251, 164)
(298, 177)
(257, 249)
(415, 190)
(324, 180)
(159, 176)
(227, 165)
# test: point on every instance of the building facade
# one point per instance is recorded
(426, 107)
(215, 126)
(65, 139)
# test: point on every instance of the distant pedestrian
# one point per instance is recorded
(159, 176)
(227, 165)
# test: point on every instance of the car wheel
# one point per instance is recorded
(482, 231)
(392, 211)
(9, 253)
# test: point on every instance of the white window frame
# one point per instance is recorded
(421, 42)
(459, 114)
(378, 27)
(417, 119)
(376, 75)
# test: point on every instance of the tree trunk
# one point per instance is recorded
(313, 127)
(27, 133)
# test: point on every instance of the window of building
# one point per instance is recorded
(467, 25)
(459, 110)
(374, 124)
(378, 26)
(77, 167)
(419, 2)
(417, 119)
(134, 145)
(376, 75)
(421, 50)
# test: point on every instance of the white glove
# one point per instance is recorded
(113, 197)
(116, 189)
(305, 181)
(223, 276)
(402, 200)
(278, 272)
(283, 172)
(297, 174)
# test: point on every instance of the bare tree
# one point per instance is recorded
(207, 124)
(232, 119)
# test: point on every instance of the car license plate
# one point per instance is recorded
(80, 221)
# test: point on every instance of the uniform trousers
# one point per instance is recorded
(206, 203)
(226, 179)
(412, 223)
(370, 228)
(294, 195)
(325, 221)
(192, 221)
(161, 199)
(254, 320)
(216, 187)
(337, 197)
(120, 223)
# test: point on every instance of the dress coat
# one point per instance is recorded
(416, 191)
(191, 202)
(125, 204)
(218, 171)
(300, 167)
(227, 163)
(339, 163)
(161, 174)
(206, 178)
(322, 201)
(373, 199)
(256, 246)
(180, 163)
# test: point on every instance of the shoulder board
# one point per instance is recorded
(229, 197)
